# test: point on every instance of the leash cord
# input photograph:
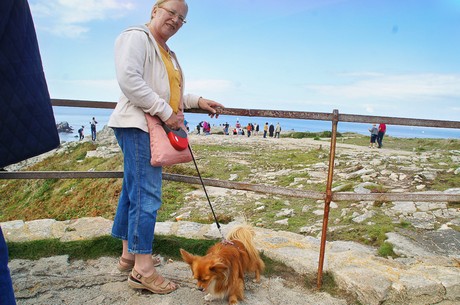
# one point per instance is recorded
(206, 193)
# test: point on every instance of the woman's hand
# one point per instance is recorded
(173, 122)
(210, 106)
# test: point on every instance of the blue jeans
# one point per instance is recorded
(6, 286)
(93, 132)
(140, 196)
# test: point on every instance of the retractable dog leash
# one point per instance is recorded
(178, 139)
(206, 193)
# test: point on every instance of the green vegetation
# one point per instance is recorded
(287, 166)
(103, 246)
(314, 135)
(386, 250)
(415, 144)
(371, 233)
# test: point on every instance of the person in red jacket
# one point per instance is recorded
(382, 130)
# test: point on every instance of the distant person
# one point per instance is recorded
(186, 126)
(382, 131)
(206, 128)
(265, 129)
(226, 126)
(271, 130)
(256, 129)
(238, 125)
(374, 133)
(277, 130)
(81, 132)
(93, 129)
(249, 129)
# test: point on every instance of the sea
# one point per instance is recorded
(77, 117)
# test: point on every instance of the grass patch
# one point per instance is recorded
(102, 246)
(386, 250)
(372, 234)
(444, 181)
(329, 286)
(314, 135)
(85, 249)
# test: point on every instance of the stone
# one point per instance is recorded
(318, 212)
(285, 213)
(373, 286)
(283, 222)
(363, 217)
(421, 289)
(403, 246)
(85, 228)
(404, 207)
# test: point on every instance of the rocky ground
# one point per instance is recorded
(420, 277)
(433, 241)
(99, 282)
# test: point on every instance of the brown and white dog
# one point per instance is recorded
(221, 271)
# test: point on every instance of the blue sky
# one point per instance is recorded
(387, 57)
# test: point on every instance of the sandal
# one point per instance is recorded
(128, 264)
(154, 283)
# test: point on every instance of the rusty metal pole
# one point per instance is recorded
(328, 199)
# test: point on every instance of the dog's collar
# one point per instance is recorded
(230, 243)
(227, 242)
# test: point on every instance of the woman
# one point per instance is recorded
(151, 82)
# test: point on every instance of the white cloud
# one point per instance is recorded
(85, 89)
(210, 85)
(70, 17)
(396, 87)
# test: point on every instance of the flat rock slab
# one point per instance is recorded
(440, 242)
(56, 280)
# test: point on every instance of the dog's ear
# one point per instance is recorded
(187, 257)
(218, 267)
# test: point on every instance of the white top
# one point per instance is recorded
(143, 80)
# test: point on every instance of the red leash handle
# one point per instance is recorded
(178, 138)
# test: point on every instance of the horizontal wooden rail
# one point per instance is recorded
(321, 116)
(260, 188)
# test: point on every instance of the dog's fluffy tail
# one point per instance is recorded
(245, 234)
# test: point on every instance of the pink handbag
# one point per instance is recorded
(162, 152)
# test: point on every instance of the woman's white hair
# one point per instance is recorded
(160, 2)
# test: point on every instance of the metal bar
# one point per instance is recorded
(59, 175)
(417, 196)
(398, 121)
(83, 104)
(327, 201)
(260, 188)
(321, 116)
